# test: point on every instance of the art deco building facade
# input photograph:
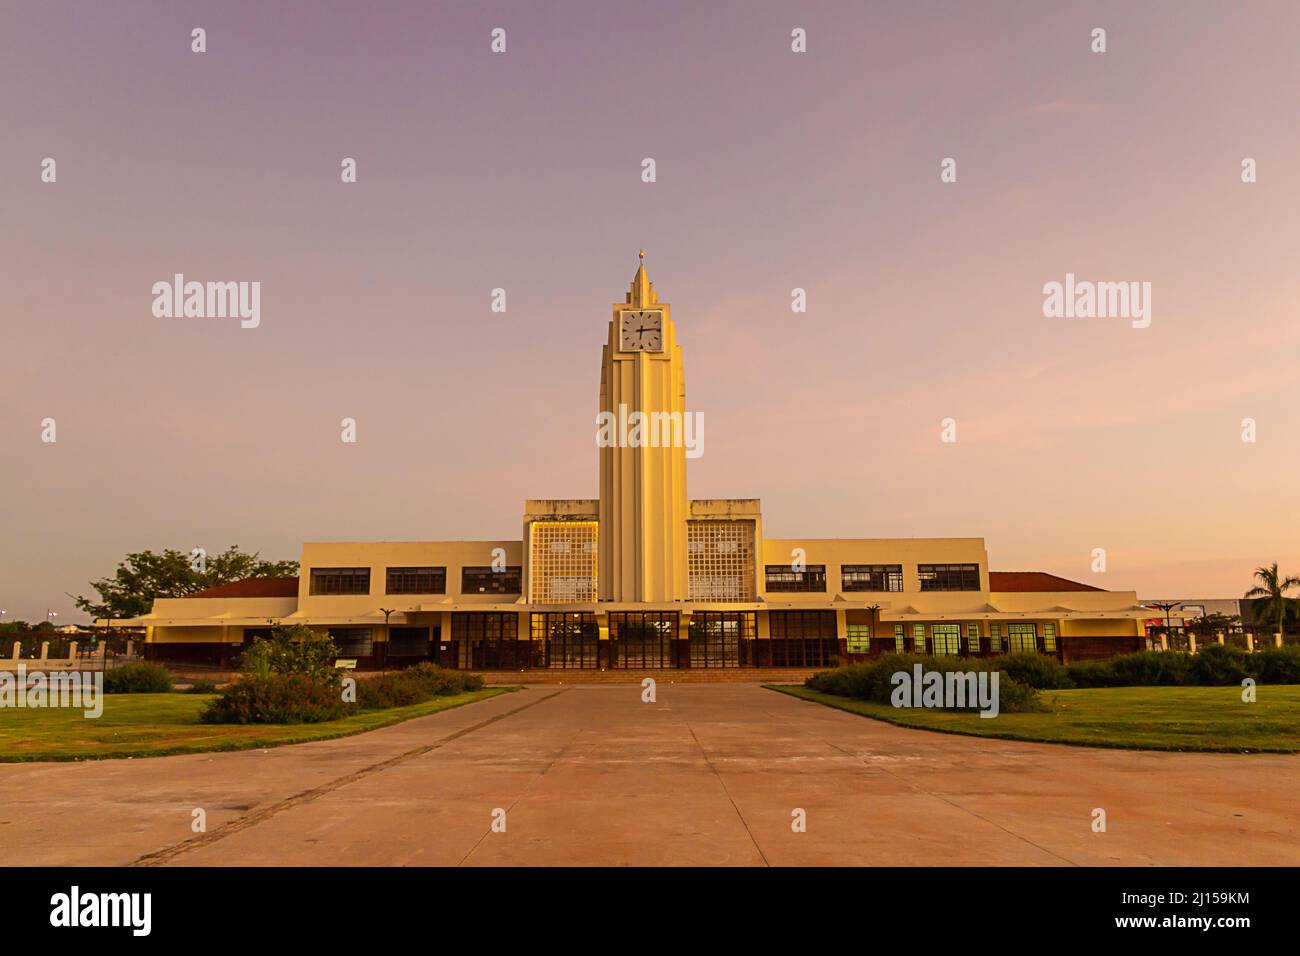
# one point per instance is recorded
(644, 577)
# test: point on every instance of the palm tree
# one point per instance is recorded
(1272, 588)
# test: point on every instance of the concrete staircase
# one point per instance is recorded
(667, 675)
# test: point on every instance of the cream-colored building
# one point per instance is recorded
(644, 577)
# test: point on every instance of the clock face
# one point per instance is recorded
(641, 331)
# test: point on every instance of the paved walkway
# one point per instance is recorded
(710, 774)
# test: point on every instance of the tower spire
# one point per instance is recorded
(642, 293)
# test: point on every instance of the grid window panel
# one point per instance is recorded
(340, 581)
(722, 638)
(720, 560)
(424, 580)
(899, 639)
(871, 577)
(565, 640)
(802, 638)
(995, 636)
(782, 577)
(485, 640)
(406, 642)
(1049, 637)
(488, 580)
(947, 639)
(918, 638)
(859, 638)
(352, 641)
(642, 638)
(972, 638)
(1022, 637)
(949, 577)
(562, 562)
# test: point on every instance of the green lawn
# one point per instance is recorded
(155, 725)
(1147, 718)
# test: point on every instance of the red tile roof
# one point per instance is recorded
(252, 588)
(1034, 581)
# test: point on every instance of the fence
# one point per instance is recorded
(74, 656)
(1158, 640)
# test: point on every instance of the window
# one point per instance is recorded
(408, 642)
(642, 638)
(340, 581)
(802, 638)
(352, 641)
(995, 637)
(1049, 637)
(947, 639)
(720, 560)
(871, 577)
(782, 577)
(488, 581)
(562, 568)
(722, 638)
(1022, 637)
(486, 640)
(949, 577)
(859, 638)
(416, 581)
(972, 638)
(918, 638)
(565, 640)
(899, 639)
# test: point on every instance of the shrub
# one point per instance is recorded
(1152, 668)
(873, 680)
(278, 699)
(1218, 664)
(1017, 698)
(291, 650)
(445, 681)
(1214, 665)
(1279, 665)
(853, 680)
(1092, 674)
(140, 678)
(1034, 670)
(415, 684)
(202, 687)
(1142, 669)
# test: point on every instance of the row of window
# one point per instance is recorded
(946, 639)
(718, 638)
(873, 577)
(509, 580)
(421, 580)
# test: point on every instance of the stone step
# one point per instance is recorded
(667, 675)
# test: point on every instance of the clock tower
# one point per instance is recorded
(643, 504)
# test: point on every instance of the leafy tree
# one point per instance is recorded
(292, 650)
(1211, 624)
(1271, 606)
(144, 575)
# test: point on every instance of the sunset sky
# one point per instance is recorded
(775, 170)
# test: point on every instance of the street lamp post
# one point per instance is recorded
(387, 635)
(1166, 606)
(875, 619)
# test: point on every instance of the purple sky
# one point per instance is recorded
(775, 170)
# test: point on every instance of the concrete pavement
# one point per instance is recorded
(708, 775)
